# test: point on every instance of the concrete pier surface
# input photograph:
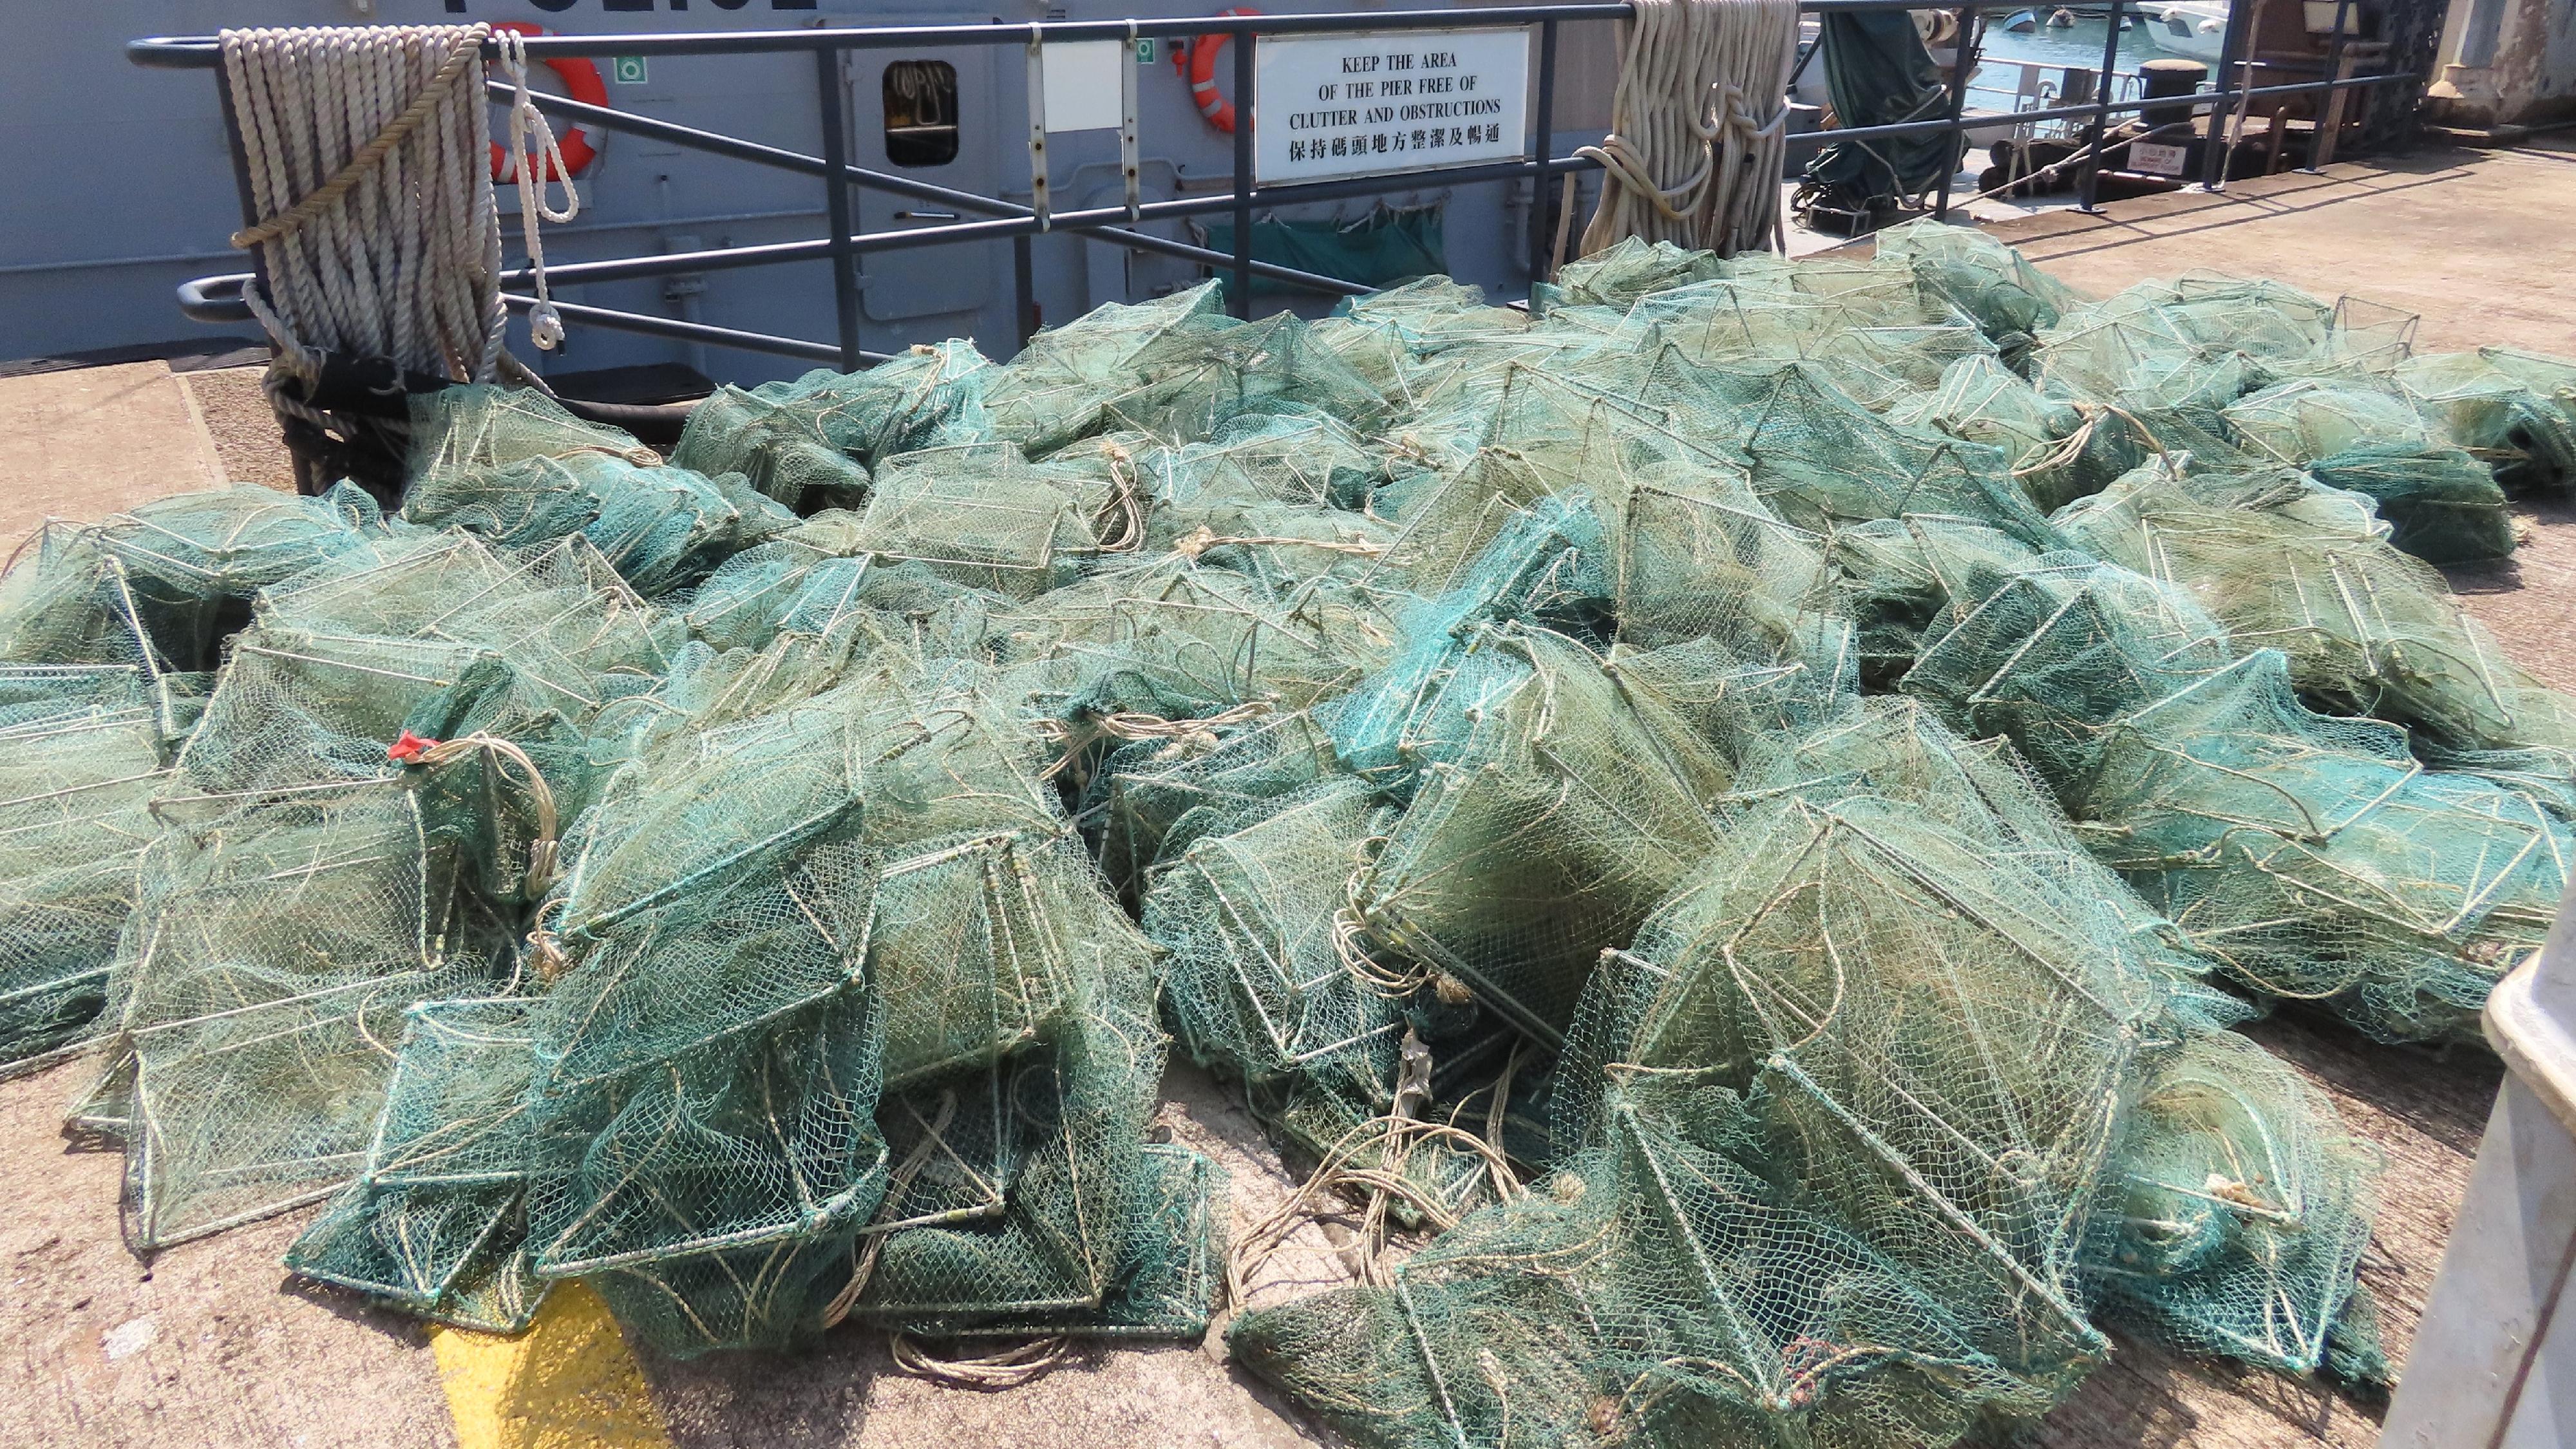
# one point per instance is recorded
(211, 1344)
(2476, 242)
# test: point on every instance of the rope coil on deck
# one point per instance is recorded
(364, 149)
(1687, 159)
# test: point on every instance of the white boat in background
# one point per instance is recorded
(2196, 28)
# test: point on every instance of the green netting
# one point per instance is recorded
(1572, 805)
(1383, 246)
(927, 397)
(275, 946)
(1821, 460)
(1728, 821)
(774, 589)
(1801, 1203)
(1680, 1276)
(463, 430)
(436, 1219)
(2283, 564)
(1056, 391)
(1053, 1136)
(1879, 335)
(1431, 314)
(76, 790)
(2008, 296)
(2502, 407)
(2313, 856)
(1222, 484)
(779, 448)
(982, 515)
(701, 1143)
(1256, 920)
(1156, 798)
(1195, 379)
(659, 527)
(2441, 503)
(154, 592)
(1630, 269)
(2235, 1211)
(2053, 453)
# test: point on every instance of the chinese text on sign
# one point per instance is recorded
(1328, 106)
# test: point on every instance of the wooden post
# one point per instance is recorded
(2330, 129)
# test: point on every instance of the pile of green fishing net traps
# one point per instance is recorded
(1727, 818)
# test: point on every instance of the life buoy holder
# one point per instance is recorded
(581, 81)
(1197, 60)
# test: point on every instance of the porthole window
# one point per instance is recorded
(920, 112)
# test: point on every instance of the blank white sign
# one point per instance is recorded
(1082, 80)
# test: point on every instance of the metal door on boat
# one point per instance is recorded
(933, 116)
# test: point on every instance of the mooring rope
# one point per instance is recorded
(367, 153)
(1699, 126)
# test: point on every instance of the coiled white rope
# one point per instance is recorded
(1699, 126)
(367, 150)
(373, 247)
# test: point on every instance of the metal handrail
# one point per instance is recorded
(200, 51)
(217, 299)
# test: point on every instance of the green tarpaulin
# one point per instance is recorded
(1385, 247)
(1879, 74)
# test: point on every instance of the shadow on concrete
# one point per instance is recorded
(812, 1398)
(2443, 1092)
(2505, 575)
(2243, 208)
(356, 1310)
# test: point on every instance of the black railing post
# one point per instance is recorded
(1963, 59)
(2231, 49)
(1545, 147)
(2321, 142)
(1024, 311)
(2101, 123)
(836, 204)
(1241, 287)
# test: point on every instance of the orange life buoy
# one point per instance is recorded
(580, 81)
(1198, 58)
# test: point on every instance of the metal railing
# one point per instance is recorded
(217, 299)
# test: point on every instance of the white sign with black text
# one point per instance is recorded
(1327, 106)
(2155, 159)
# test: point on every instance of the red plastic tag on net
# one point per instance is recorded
(408, 749)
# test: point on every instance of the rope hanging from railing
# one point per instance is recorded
(1699, 126)
(545, 324)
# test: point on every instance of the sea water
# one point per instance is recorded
(2078, 45)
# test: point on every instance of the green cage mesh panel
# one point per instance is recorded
(257, 995)
(436, 1220)
(76, 791)
(2285, 565)
(1794, 767)
(776, 447)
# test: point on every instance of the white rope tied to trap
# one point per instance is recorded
(1699, 126)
